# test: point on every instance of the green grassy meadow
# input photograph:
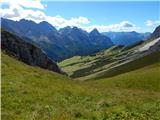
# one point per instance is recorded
(31, 93)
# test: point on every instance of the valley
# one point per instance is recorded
(115, 83)
(80, 60)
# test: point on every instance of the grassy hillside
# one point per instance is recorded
(124, 68)
(78, 66)
(107, 63)
(30, 93)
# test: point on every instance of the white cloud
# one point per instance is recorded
(151, 23)
(11, 12)
(60, 22)
(18, 12)
(19, 9)
(25, 3)
(122, 26)
(126, 24)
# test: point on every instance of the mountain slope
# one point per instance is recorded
(156, 33)
(34, 93)
(26, 52)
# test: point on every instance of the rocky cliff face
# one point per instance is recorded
(26, 52)
(156, 33)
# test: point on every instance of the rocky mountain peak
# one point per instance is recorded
(65, 30)
(95, 32)
(25, 21)
(47, 26)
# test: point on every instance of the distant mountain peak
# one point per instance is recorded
(21, 20)
(67, 27)
(65, 30)
(75, 29)
(71, 30)
(25, 20)
(94, 32)
(45, 23)
(133, 32)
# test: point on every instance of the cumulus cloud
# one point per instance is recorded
(126, 24)
(60, 22)
(151, 23)
(10, 13)
(17, 12)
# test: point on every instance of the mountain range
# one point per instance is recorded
(58, 45)
(69, 41)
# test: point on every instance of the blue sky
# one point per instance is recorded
(105, 12)
(138, 16)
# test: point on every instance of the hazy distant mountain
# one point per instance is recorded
(126, 38)
(58, 45)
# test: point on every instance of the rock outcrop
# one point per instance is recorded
(27, 52)
(156, 33)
